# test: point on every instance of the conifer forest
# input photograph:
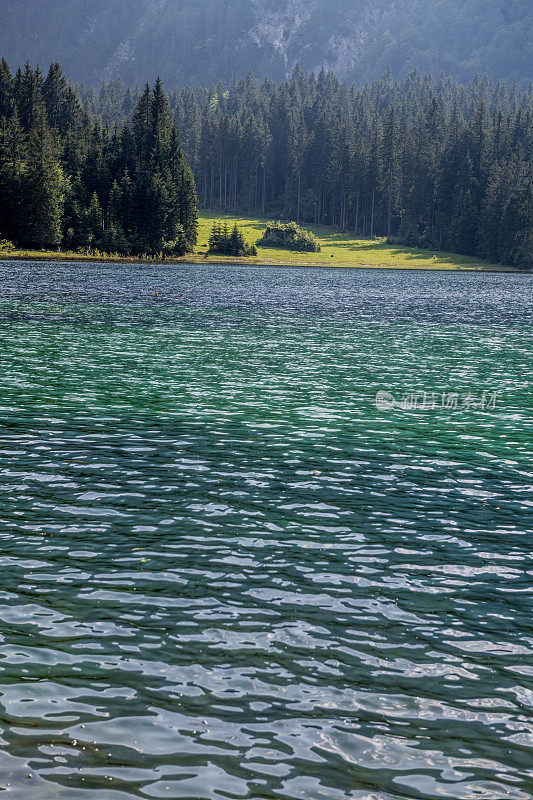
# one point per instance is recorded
(425, 162)
(66, 180)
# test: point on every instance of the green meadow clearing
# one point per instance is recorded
(338, 250)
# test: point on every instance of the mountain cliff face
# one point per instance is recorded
(202, 41)
(317, 33)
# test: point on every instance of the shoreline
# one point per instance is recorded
(344, 250)
(252, 261)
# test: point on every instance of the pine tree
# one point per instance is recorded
(236, 243)
(389, 165)
(29, 97)
(95, 221)
(464, 224)
(143, 125)
(115, 203)
(42, 191)
(188, 207)
(54, 95)
(215, 238)
(183, 190)
(12, 154)
(71, 113)
(298, 141)
(161, 125)
(7, 99)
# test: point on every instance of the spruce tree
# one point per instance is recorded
(95, 221)
(42, 191)
(7, 98)
(12, 154)
(54, 95)
(389, 166)
(143, 125)
(29, 97)
(161, 125)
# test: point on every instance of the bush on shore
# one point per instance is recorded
(289, 236)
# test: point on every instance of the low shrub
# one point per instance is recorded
(6, 246)
(289, 236)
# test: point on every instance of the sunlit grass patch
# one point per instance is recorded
(337, 250)
(340, 249)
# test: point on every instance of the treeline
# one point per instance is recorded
(68, 180)
(428, 163)
(432, 163)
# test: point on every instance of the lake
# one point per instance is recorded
(266, 533)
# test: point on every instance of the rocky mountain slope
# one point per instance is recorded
(202, 41)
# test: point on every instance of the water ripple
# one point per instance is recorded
(226, 572)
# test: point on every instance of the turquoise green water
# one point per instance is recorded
(226, 573)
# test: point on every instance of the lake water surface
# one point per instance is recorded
(226, 573)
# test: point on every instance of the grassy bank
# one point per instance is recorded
(338, 250)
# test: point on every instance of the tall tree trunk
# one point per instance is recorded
(343, 219)
(236, 180)
(220, 181)
(372, 217)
